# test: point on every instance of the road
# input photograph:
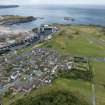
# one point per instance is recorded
(93, 86)
(93, 94)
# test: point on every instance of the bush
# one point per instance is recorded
(76, 74)
(53, 98)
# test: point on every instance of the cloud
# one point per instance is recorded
(18, 2)
(52, 2)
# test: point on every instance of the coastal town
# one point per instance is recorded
(27, 70)
(35, 68)
(8, 66)
(52, 52)
(22, 39)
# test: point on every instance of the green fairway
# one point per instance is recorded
(99, 69)
(82, 87)
(83, 41)
(78, 40)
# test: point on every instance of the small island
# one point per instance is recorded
(15, 19)
(69, 18)
(8, 6)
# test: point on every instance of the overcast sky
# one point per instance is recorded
(22, 2)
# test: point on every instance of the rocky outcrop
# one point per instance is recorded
(69, 18)
(11, 19)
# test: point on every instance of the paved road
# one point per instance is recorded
(93, 87)
(100, 43)
(97, 59)
(93, 94)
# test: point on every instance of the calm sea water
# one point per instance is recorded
(56, 13)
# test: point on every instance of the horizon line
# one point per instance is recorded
(56, 4)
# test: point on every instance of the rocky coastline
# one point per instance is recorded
(15, 19)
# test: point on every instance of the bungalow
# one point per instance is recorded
(18, 87)
(54, 69)
(15, 75)
(11, 41)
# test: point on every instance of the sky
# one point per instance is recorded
(23, 2)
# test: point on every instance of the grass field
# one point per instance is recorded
(79, 88)
(83, 41)
(99, 69)
(78, 40)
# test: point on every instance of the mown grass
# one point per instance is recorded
(99, 69)
(83, 41)
(72, 40)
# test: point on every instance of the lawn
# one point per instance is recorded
(82, 87)
(99, 69)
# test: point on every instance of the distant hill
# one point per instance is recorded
(9, 6)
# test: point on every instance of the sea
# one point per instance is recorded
(50, 14)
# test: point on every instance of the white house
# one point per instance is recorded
(15, 75)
